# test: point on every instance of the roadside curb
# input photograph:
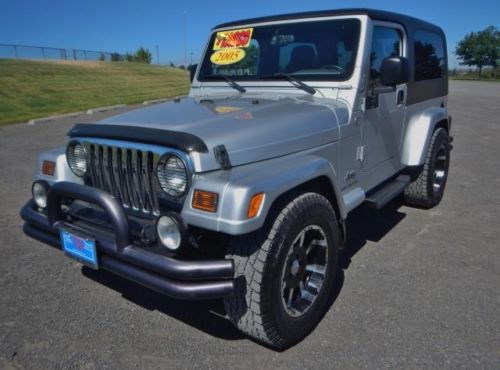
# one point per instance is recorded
(53, 118)
(163, 100)
(96, 110)
(155, 101)
(104, 109)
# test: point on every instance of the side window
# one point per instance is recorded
(430, 59)
(386, 42)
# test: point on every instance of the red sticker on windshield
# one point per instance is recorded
(233, 39)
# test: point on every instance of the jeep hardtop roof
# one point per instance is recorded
(408, 22)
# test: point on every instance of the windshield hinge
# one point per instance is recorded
(222, 157)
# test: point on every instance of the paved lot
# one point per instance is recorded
(419, 289)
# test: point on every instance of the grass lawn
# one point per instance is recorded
(34, 89)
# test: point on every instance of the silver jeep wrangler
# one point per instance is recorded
(241, 190)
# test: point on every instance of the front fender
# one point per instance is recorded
(62, 171)
(418, 135)
(237, 186)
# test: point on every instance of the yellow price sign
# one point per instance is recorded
(227, 56)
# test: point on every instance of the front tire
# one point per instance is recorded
(427, 190)
(285, 271)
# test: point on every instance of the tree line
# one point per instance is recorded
(141, 55)
(480, 49)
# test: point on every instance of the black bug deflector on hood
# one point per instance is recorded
(145, 135)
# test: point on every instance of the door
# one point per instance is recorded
(382, 127)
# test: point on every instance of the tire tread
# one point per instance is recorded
(251, 254)
(418, 193)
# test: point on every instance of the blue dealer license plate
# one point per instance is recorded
(79, 248)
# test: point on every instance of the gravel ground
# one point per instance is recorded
(419, 289)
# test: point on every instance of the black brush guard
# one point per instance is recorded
(175, 278)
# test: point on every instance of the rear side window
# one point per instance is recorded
(430, 59)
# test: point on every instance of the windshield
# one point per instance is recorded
(318, 50)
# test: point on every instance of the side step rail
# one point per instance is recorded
(390, 191)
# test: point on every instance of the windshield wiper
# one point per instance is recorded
(230, 81)
(295, 82)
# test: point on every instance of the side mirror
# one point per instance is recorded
(192, 71)
(394, 71)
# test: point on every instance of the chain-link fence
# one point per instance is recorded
(11, 51)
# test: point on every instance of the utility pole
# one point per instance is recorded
(185, 39)
(157, 55)
(191, 62)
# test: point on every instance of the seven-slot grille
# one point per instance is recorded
(126, 173)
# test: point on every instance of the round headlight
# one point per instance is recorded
(172, 175)
(39, 191)
(169, 232)
(77, 158)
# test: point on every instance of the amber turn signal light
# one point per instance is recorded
(48, 168)
(205, 200)
(255, 204)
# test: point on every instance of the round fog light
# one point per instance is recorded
(169, 232)
(39, 191)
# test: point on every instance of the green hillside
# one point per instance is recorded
(33, 89)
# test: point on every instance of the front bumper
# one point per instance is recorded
(175, 278)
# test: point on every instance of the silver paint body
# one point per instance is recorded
(287, 139)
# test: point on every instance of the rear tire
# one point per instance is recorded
(285, 271)
(427, 190)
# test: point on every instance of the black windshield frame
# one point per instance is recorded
(323, 39)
